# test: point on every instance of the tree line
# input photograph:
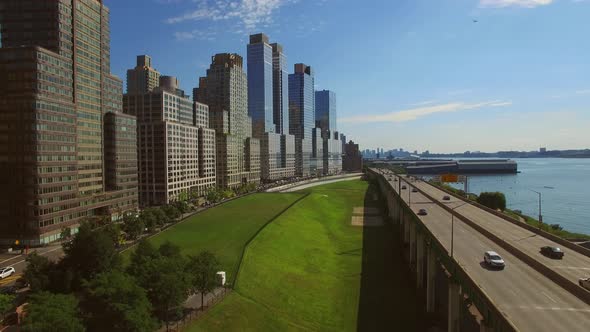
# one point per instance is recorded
(90, 289)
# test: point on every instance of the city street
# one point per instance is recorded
(17, 260)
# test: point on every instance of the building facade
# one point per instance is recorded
(176, 148)
(302, 118)
(143, 78)
(325, 110)
(352, 161)
(325, 120)
(60, 121)
(225, 90)
(267, 81)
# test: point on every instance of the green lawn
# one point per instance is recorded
(303, 271)
(225, 229)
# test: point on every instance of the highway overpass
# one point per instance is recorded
(533, 292)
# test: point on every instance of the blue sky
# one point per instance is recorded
(417, 74)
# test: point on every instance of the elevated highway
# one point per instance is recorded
(519, 298)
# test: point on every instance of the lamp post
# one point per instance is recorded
(540, 215)
(453, 225)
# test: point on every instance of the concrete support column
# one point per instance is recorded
(483, 327)
(454, 306)
(430, 280)
(412, 244)
(406, 228)
(420, 257)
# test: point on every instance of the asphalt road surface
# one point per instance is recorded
(17, 261)
(528, 299)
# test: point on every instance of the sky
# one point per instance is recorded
(437, 75)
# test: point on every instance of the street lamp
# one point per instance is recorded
(540, 215)
(453, 225)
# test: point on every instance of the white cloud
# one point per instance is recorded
(514, 3)
(250, 13)
(419, 112)
(195, 34)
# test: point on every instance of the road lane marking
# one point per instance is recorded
(10, 279)
(572, 267)
(6, 260)
(549, 297)
(540, 308)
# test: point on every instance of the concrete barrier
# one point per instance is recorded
(565, 243)
(562, 281)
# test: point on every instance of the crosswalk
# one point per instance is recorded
(9, 280)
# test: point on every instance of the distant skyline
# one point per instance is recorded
(415, 73)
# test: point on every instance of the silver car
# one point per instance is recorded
(493, 260)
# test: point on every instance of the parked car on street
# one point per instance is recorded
(422, 212)
(493, 260)
(6, 272)
(404, 187)
(446, 198)
(553, 252)
(414, 190)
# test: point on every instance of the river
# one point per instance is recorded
(564, 185)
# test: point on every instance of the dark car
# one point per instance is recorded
(414, 190)
(404, 187)
(422, 212)
(446, 198)
(553, 252)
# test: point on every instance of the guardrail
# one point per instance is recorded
(577, 248)
(562, 281)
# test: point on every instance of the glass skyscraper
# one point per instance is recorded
(260, 79)
(302, 117)
(325, 110)
(268, 106)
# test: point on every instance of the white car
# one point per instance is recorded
(585, 282)
(6, 272)
(492, 259)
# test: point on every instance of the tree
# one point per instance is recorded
(493, 200)
(171, 211)
(162, 273)
(148, 218)
(65, 233)
(114, 302)
(203, 272)
(182, 206)
(161, 217)
(132, 225)
(6, 303)
(38, 272)
(90, 253)
(114, 232)
(49, 312)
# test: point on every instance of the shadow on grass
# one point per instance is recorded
(388, 299)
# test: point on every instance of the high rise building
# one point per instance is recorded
(302, 118)
(352, 160)
(176, 148)
(325, 119)
(225, 90)
(60, 121)
(143, 78)
(267, 80)
(325, 110)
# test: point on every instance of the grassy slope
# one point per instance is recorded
(303, 271)
(225, 229)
